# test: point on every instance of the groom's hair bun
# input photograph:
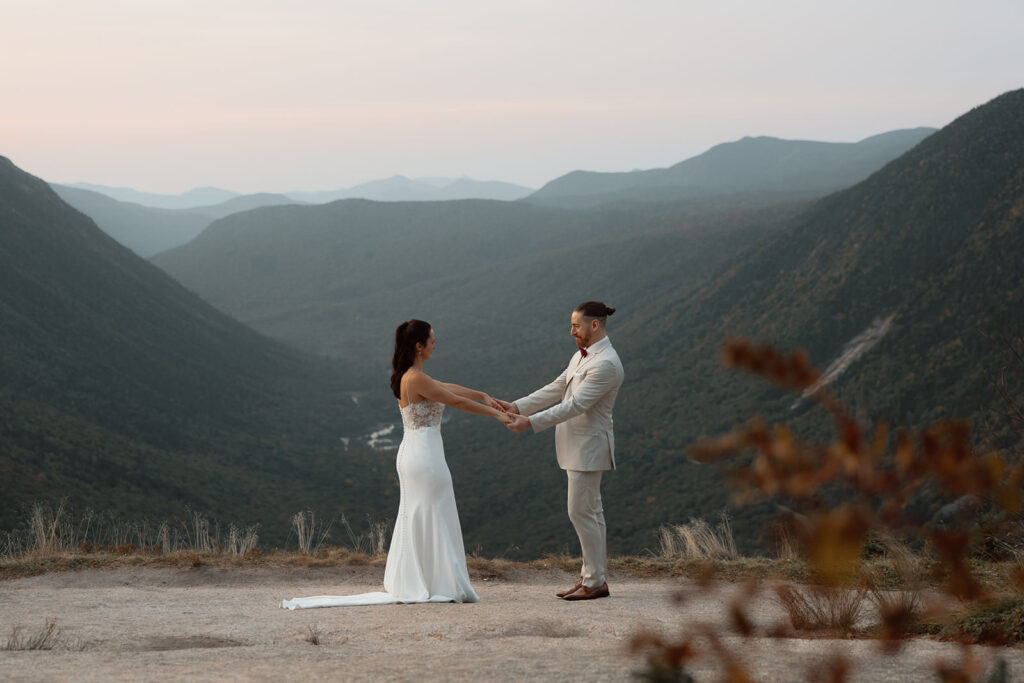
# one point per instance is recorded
(595, 309)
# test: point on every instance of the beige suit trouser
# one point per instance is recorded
(587, 516)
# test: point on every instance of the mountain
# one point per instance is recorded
(123, 392)
(930, 242)
(336, 279)
(143, 229)
(442, 181)
(750, 165)
(467, 188)
(241, 203)
(928, 248)
(147, 230)
(933, 239)
(401, 189)
(497, 280)
(200, 196)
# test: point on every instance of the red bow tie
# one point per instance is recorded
(583, 352)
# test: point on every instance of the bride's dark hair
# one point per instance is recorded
(407, 336)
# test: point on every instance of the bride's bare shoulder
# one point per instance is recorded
(417, 377)
(416, 385)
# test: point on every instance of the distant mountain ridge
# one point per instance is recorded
(749, 165)
(200, 196)
(402, 189)
(143, 229)
(244, 202)
(216, 202)
(148, 230)
(755, 171)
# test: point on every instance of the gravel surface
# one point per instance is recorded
(226, 624)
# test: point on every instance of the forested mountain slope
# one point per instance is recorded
(122, 391)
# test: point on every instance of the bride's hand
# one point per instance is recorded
(505, 406)
(492, 402)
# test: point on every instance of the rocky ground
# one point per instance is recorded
(226, 624)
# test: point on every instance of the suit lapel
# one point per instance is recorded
(578, 362)
(575, 363)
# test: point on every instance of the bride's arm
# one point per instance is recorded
(475, 395)
(465, 392)
(430, 388)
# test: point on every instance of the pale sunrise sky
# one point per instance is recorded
(254, 95)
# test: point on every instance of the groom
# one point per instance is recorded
(583, 396)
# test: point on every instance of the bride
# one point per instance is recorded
(427, 559)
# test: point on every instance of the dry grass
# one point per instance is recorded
(822, 608)
(740, 569)
(31, 565)
(787, 544)
(49, 637)
(998, 576)
(52, 533)
(906, 606)
(373, 542)
(1013, 549)
(49, 531)
(1018, 573)
(698, 540)
(309, 534)
(895, 583)
(564, 561)
(313, 634)
(241, 543)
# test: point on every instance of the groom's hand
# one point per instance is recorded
(519, 424)
(506, 406)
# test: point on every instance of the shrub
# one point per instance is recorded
(878, 476)
(822, 608)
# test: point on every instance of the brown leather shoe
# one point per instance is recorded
(585, 593)
(576, 585)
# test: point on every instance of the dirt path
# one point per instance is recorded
(214, 624)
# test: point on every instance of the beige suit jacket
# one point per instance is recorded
(583, 397)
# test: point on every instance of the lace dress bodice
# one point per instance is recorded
(422, 415)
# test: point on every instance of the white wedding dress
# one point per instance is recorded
(427, 559)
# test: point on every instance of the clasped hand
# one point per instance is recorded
(512, 419)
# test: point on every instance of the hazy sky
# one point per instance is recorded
(254, 95)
